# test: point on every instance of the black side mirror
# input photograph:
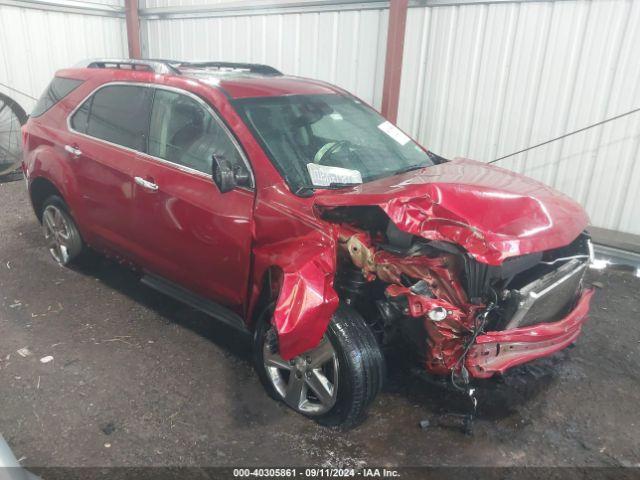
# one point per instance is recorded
(226, 177)
(243, 179)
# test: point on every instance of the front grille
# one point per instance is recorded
(550, 297)
(477, 278)
(480, 277)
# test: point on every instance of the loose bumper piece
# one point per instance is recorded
(495, 352)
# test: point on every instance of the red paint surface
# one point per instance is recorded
(225, 246)
(492, 212)
(245, 87)
(306, 299)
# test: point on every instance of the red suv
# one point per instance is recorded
(289, 208)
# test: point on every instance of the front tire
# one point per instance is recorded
(333, 383)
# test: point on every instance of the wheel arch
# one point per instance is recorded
(298, 275)
(268, 295)
(40, 189)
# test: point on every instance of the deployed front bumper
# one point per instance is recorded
(495, 352)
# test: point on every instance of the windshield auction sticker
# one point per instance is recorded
(324, 175)
(394, 132)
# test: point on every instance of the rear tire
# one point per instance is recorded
(352, 386)
(60, 231)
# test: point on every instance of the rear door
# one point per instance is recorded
(107, 133)
(191, 233)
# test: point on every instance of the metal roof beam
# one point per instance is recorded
(68, 6)
(271, 7)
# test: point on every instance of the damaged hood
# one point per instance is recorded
(491, 212)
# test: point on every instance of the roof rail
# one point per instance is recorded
(170, 67)
(157, 66)
(231, 66)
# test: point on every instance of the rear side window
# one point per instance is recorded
(80, 119)
(118, 114)
(58, 89)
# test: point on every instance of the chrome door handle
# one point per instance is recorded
(146, 184)
(76, 152)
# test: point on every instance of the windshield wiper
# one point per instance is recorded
(307, 190)
(409, 169)
(337, 185)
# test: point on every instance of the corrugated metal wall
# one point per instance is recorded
(483, 81)
(479, 80)
(175, 3)
(35, 42)
(342, 47)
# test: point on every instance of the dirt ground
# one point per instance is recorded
(138, 379)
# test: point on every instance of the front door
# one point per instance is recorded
(191, 233)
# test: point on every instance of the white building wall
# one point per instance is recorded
(35, 42)
(345, 47)
(483, 81)
(177, 3)
(480, 80)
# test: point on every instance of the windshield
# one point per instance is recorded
(329, 140)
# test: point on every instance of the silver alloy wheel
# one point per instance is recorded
(308, 383)
(57, 233)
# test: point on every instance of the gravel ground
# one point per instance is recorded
(138, 380)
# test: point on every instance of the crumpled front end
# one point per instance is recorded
(452, 343)
(462, 316)
(300, 271)
(495, 352)
(477, 268)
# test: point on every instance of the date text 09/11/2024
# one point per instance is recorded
(312, 472)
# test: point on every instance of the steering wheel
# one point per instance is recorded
(328, 148)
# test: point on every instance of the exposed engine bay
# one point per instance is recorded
(464, 317)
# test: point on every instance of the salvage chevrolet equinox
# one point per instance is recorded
(289, 208)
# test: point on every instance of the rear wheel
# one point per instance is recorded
(60, 231)
(334, 382)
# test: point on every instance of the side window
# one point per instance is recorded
(80, 119)
(58, 89)
(118, 114)
(184, 132)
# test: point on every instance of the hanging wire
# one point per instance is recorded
(18, 91)
(567, 135)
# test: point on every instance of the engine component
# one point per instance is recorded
(445, 302)
(548, 298)
(437, 314)
(350, 284)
